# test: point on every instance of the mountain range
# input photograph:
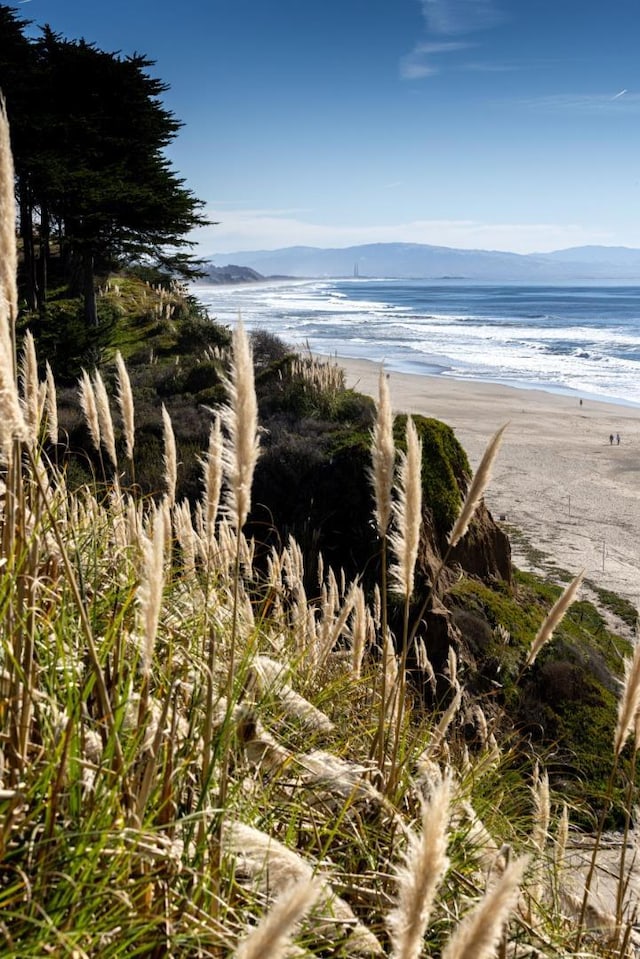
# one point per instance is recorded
(417, 260)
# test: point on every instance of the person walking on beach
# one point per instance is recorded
(617, 439)
(610, 439)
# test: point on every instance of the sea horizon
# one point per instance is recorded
(577, 339)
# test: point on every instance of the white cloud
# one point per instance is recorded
(460, 16)
(446, 18)
(241, 230)
(419, 63)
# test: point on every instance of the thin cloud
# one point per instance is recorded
(419, 63)
(443, 19)
(460, 16)
(591, 103)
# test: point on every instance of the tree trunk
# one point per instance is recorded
(26, 233)
(88, 288)
(43, 262)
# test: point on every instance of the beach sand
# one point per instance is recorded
(566, 496)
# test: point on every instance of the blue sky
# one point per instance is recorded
(466, 123)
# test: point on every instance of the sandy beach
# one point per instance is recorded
(574, 497)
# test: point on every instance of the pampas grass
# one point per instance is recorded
(480, 932)
(271, 938)
(8, 249)
(107, 435)
(629, 702)
(159, 803)
(211, 464)
(240, 420)
(12, 424)
(51, 406)
(30, 391)
(478, 485)
(124, 397)
(149, 592)
(383, 456)
(553, 619)
(89, 407)
(170, 457)
(407, 514)
(425, 864)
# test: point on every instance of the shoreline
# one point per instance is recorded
(568, 498)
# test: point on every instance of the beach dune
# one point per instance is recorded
(568, 497)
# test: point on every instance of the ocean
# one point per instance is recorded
(582, 339)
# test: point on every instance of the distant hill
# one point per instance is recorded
(231, 274)
(437, 262)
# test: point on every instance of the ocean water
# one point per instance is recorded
(582, 339)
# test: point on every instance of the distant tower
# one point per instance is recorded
(356, 270)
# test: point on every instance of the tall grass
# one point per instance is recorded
(186, 740)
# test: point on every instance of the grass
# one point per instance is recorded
(117, 838)
(186, 736)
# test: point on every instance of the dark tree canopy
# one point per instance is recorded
(89, 132)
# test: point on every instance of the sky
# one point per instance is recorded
(478, 124)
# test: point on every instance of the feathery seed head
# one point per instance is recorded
(30, 390)
(124, 396)
(149, 593)
(407, 513)
(170, 456)
(478, 485)
(107, 435)
(629, 701)
(479, 932)
(553, 618)
(211, 464)
(425, 863)
(383, 456)
(51, 406)
(272, 936)
(12, 425)
(240, 419)
(8, 249)
(89, 407)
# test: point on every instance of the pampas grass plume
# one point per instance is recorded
(479, 932)
(30, 391)
(240, 419)
(554, 618)
(407, 512)
(89, 407)
(170, 456)
(629, 701)
(425, 863)
(107, 434)
(51, 406)
(383, 456)
(8, 249)
(124, 397)
(478, 485)
(211, 464)
(272, 936)
(12, 424)
(149, 594)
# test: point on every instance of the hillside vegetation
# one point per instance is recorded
(258, 702)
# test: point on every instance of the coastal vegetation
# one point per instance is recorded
(270, 684)
(94, 186)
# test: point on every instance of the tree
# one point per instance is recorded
(96, 165)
